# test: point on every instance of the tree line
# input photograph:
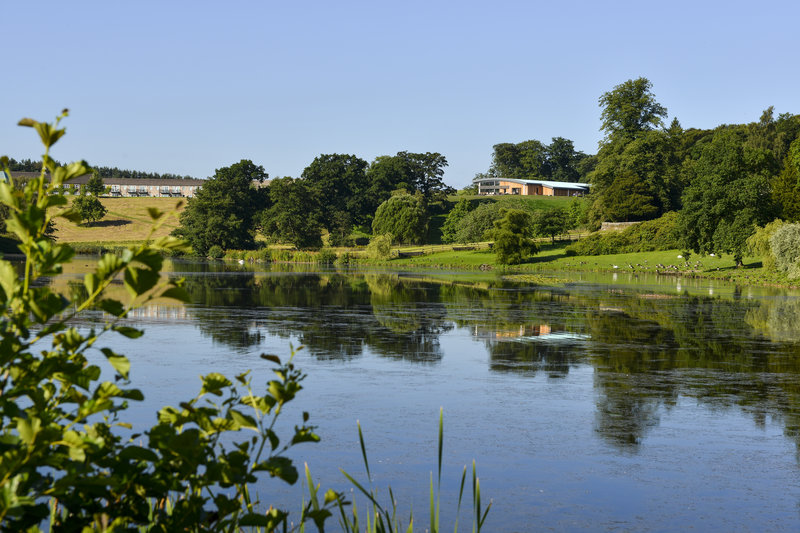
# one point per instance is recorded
(724, 183)
(29, 165)
(336, 194)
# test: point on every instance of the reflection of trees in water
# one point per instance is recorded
(410, 316)
(217, 294)
(333, 315)
(698, 347)
(532, 355)
(777, 319)
(646, 350)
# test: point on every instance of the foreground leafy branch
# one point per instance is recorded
(69, 460)
(63, 457)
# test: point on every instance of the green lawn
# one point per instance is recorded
(554, 259)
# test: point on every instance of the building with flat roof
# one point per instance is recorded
(493, 186)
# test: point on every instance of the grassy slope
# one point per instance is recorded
(553, 258)
(127, 220)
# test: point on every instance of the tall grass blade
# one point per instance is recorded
(441, 442)
(363, 451)
(460, 494)
(362, 489)
(432, 509)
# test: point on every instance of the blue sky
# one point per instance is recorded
(190, 86)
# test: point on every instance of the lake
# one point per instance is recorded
(609, 402)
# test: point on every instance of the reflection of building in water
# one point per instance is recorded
(524, 330)
(160, 312)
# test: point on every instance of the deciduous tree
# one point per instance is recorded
(294, 215)
(630, 108)
(728, 196)
(89, 208)
(340, 183)
(224, 210)
(512, 237)
(403, 217)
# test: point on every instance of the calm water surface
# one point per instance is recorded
(612, 403)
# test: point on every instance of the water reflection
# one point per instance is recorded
(646, 347)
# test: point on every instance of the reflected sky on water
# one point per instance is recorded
(614, 402)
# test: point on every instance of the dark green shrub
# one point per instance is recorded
(512, 237)
(380, 247)
(474, 225)
(326, 256)
(216, 252)
(403, 217)
(659, 234)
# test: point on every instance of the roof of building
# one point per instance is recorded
(545, 183)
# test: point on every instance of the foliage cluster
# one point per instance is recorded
(62, 435)
(659, 234)
(404, 217)
(89, 208)
(512, 237)
(533, 159)
(30, 165)
(785, 247)
(380, 247)
(758, 244)
(69, 459)
(223, 211)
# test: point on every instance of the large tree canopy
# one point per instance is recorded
(294, 215)
(533, 159)
(630, 108)
(340, 182)
(223, 211)
(416, 173)
(403, 217)
(728, 195)
(634, 158)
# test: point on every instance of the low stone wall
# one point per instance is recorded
(616, 226)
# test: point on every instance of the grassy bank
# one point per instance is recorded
(553, 257)
(127, 221)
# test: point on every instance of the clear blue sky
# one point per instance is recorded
(190, 86)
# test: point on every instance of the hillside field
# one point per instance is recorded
(127, 220)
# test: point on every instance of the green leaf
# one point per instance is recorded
(28, 429)
(9, 280)
(269, 521)
(29, 122)
(120, 363)
(304, 435)
(7, 195)
(243, 420)
(177, 293)
(71, 215)
(214, 383)
(112, 307)
(138, 453)
(140, 280)
(274, 358)
(90, 282)
(280, 467)
(131, 333)
(155, 213)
